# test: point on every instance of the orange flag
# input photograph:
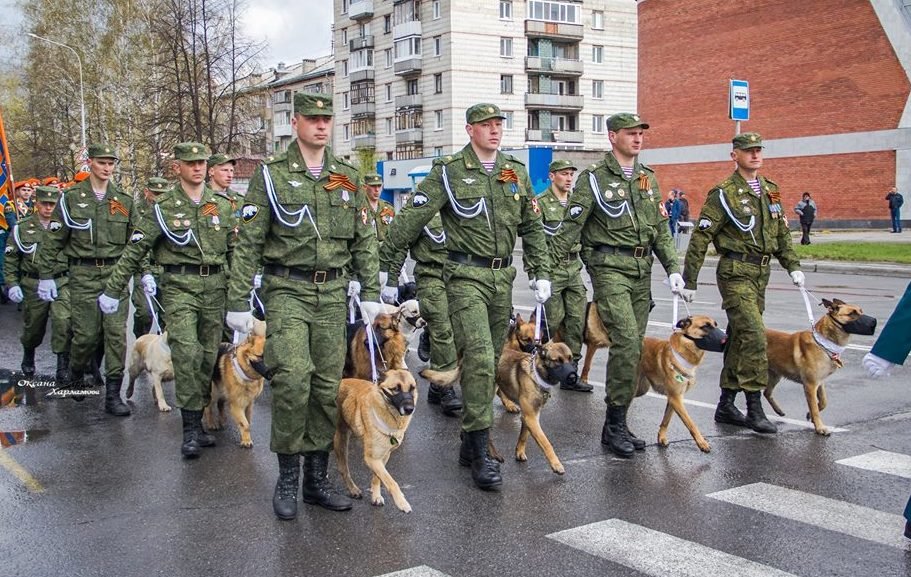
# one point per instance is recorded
(6, 176)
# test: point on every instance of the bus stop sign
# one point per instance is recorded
(739, 94)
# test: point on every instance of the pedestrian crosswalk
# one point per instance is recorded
(882, 462)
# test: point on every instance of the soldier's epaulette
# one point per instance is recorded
(646, 168)
(159, 198)
(770, 181)
(224, 195)
(448, 159)
(512, 158)
(595, 166)
(275, 158)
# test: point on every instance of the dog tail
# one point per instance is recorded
(443, 378)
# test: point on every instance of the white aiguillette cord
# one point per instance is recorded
(152, 301)
(279, 210)
(371, 338)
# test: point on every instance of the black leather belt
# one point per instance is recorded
(571, 257)
(760, 259)
(99, 262)
(314, 276)
(633, 251)
(197, 269)
(36, 276)
(480, 261)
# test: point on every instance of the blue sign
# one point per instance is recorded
(739, 94)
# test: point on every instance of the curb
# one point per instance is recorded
(841, 267)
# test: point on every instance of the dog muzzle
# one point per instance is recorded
(714, 342)
(529, 347)
(564, 374)
(402, 401)
(863, 325)
(260, 367)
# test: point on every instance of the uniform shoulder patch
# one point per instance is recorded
(574, 211)
(54, 226)
(137, 236)
(345, 163)
(449, 159)
(276, 158)
(646, 168)
(9, 249)
(705, 223)
(419, 199)
(512, 158)
(248, 212)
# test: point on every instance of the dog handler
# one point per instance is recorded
(742, 217)
(305, 220)
(618, 211)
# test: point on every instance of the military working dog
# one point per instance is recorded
(151, 356)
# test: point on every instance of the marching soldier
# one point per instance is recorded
(220, 170)
(188, 230)
(485, 199)
(617, 209)
(305, 221)
(742, 217)
(22, 278)
(90, 225)
(381, 212)
(142, 316)
(566, 307)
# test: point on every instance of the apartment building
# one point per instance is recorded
(309, 75)
(406, 71)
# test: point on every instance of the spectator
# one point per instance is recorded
(896, 200)
(672, 207)
(806, 210)
(684, 210)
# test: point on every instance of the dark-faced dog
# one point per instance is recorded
(810, 356)
(390, 347)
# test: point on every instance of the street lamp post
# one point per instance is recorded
(81, 92)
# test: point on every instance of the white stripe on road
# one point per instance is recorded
(420, 571)
(655, 553)
(830, 514)
(881, 462)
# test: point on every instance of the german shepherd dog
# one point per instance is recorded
(389, 342)
(151, 355)
(594, 336)
(810, 356)
(669, 368)
(237, 381)
(379, 415)
(519, 338)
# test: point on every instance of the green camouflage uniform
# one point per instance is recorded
(620, 215)
(304, 287)
(142, 316)
(479, 297)
(22, 270)
(742, 284)
(381, 218)
(92, 234)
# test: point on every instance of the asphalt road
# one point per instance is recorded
(82, 493)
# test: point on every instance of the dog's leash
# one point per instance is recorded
(806, 294)
(151, 301)
(677, 300)
(371, 338)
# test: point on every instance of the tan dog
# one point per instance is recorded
(237, 381)
(669, 368)
(594, 336)
(151, 356)
(379, 415)
(389, 341)
(810, 356)
(519, 338)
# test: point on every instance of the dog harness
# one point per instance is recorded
(238, 370)
(396, 436)
(833, 350)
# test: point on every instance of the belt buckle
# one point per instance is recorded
(203, 270)
(99, 263)
(764, 261)
(639, 251)
(496, 263)
(319, 277)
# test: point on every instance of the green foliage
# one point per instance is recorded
(856, 251)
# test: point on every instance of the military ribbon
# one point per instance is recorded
(340, 180)
(210, 209)
(117, 206)
(643, 181)
(508, 175)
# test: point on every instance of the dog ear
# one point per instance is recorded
(837, 302)
(519, 320)
(828, 304)
(683, 324)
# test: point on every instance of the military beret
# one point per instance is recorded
(158, 185)
(102, 151)
(47, 194)
(562, 164)
(80, 176)
(20, 183)
(373, 180)
(48, 181)
(625, 120)
(482, 112)
(311, 104)
(191, 151)
(747, 140)
(218, 159)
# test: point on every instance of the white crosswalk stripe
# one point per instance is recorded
(831, 514)
(655, 553)
(419, 571)
(881, 462)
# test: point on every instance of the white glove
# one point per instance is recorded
(532, 283)
(354, 288)
(687, 294)
(240, 322)
(148, 284)
(15, 294)
(675, 280)
(257, 281)
(798, 278)
(542, 291)
(47, 290)
(877, 366)
(389, 295)
(384, 279)
(108, 305)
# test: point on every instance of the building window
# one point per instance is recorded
(362, 93)
(506, 47)
(346, 131)
(507, 121)
(438, 120)
(389, 125)
(408, 11)
(437, 45)
(409, 119)
(389, 92)
(436, 9)
(411, 87)
(506, 84)
(438, 151)
(438, 84)
(597, 89)
(597, 54)
(389, 58)
(561, 12)
(361, 59)
(598, 123)
(344, 36)
(344, 6)
(281, 97)
(389, 155)
(362, 126)
(387, 23)
(408, 151)
(408, 48)
(345, 101)
(344, 68)
(597, 20)
(505, 9)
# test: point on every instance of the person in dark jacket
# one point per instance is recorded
(895, 200)
(806, 210)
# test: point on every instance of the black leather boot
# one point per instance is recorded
(284, 501)
(447, 398)
(317, 489)
(113, 404)
(190, 447)
(76, 380)
(63, 368)
(756, 418)
(638, 444)
(614, 433)
(726, 412)
(28, 362)
(424, 346)
(485, 471)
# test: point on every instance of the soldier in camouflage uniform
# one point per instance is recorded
(485, 199)
(305, 221)
(90, 225)
(220, 170)
(188, 231)
(566, 307)
(142, 316)
(381, 212)
(22, 278)
(617, 209)
(743, 219)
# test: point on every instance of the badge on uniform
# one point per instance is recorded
(137, 236)
(705, 224)
(9, 249)
(420, 199)
(575, 211)
(534, 206)
(364, 215)
(215, 220)
(249, 212)
(662, 209)
(54, 226)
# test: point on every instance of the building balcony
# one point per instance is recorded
(363, 109)
(362, 75)
(408, 101)
(408, 67)
(554, 101)
(537, 135)
(574, 136)
(281, 130)
(364, 141)
(556, 66)
(282, 106)
(556, 30)
(360, 9)
(404, 29)
(410, 136)
(362, 43)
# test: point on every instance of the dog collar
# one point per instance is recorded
(684, 365)
(541, 382)
(395, 437)
(832, 349)
(238, 370)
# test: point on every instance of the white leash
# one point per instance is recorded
(371, 338)
(806, 301)
(539, 312)
(156, 326)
